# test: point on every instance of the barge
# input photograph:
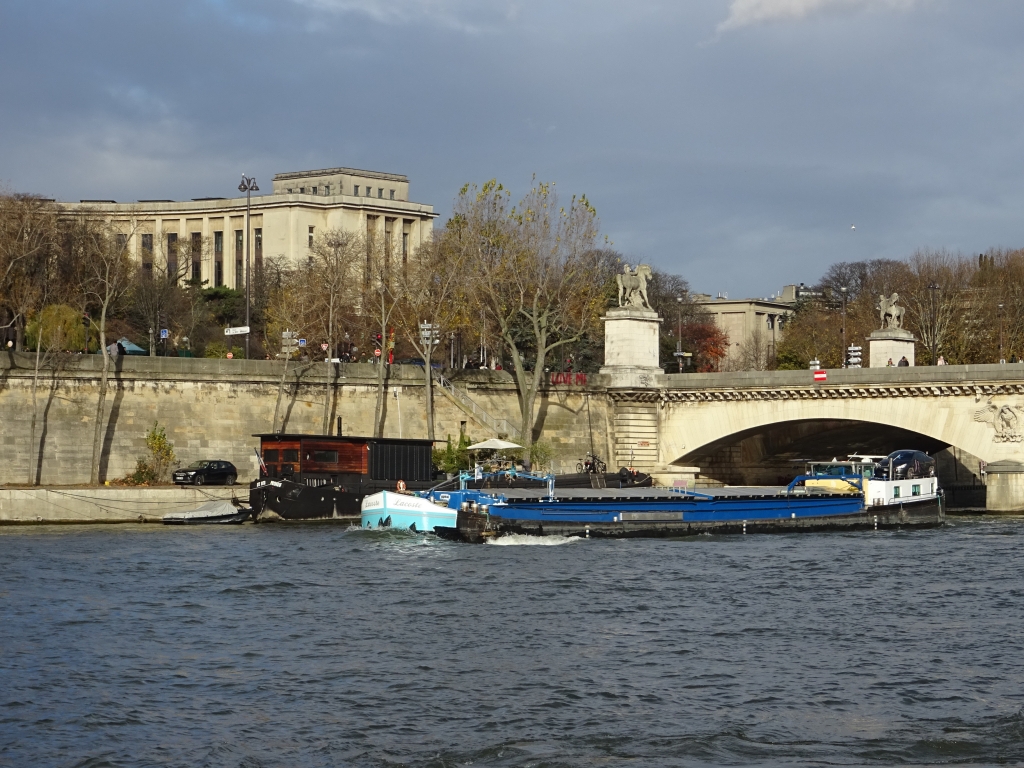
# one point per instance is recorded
(901, 490)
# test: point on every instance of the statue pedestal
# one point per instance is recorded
(631, 346)
(890, 344)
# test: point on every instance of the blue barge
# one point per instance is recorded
(806, 504)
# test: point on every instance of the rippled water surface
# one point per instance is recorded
(310, 645)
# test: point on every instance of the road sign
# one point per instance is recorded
(324, 346)
(163, 333)
(239, 331)
(376, 353)
(820, 376)
(302, 342)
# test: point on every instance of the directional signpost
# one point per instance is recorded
(288, 343)
(239, 331)
(853, 356)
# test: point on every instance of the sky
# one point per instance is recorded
(743, 144)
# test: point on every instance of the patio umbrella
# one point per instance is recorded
(494, 444)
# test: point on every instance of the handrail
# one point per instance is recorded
(501, 426)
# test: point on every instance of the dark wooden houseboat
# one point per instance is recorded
(313, 477)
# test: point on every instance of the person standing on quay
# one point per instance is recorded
(903, 363)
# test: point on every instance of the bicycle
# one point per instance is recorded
(590, 464)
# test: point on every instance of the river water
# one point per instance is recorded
(311, 645)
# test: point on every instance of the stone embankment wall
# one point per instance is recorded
(105, 505)
(212, 409)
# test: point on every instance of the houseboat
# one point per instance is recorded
(315, 477)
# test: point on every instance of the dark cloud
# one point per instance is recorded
(737, 155)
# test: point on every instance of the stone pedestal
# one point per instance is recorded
(631, 346)
(891, 343)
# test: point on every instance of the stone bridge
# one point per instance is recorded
(754, 427)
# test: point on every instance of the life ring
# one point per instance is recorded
(400, 487)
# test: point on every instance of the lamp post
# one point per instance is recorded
(679, 331)
(247, 185)
(1002, 359)
(933, 289)
(842, 290)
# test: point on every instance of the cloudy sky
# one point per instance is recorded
(735, 142)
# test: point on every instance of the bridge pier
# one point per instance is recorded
(1005, 487)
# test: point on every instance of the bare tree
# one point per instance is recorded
(107, 270)
(381, 292)
(433, 304)
(332, 285)
(536, 272)
(28, 225)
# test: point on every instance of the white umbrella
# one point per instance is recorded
(494, 444)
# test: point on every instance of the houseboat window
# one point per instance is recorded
(915, 490)
(896, 492)
(291, 454)
(327, 457)
(270, 455)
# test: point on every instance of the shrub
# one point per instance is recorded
(452, 458)
(154, 468)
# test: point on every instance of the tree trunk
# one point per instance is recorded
(378, 421)
(35, 384)
(430, 395)
(280, 391)
(97, 435)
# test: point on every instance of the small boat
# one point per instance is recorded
(403, 511)
(211, 513)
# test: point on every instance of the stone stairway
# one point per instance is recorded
(461, 398)
(636, 436)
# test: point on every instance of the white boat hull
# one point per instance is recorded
(400, 511)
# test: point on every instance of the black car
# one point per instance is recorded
(207, 473)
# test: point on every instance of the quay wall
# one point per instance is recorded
(212, 409)
(104, 505)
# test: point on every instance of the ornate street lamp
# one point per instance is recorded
(679, 331)
(934, 288)
(1002, 359)
(248, 185)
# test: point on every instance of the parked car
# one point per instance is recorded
(207, 473)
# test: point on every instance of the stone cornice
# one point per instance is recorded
(666, 396)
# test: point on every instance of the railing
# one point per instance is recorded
(500, 426)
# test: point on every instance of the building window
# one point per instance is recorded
(302, 190)
(313, 191)
(380, 192)
(289, 190)
(238, 243)
(355, 190)
(147, 268)
(257, 243)
(218, 273)
(369, 192)
(218, 243)
(147, 243)
(197, 256)
(172, 256)
(327, 190)
(405, 246)
(122, 241)
(239, 274)
(311, 229)
(392, 193)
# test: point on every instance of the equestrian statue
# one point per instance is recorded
(633, 286)
(890, 315)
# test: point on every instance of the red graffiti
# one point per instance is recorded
(568, 379)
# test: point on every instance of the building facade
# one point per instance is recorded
(206, 238)
(754, 327)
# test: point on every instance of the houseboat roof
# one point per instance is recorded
(344, 438)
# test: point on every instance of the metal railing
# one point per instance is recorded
(462, 398)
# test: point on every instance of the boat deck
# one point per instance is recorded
(638, 494)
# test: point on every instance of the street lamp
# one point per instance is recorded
(842, 290)
(1001, 358)
(679, 331)
(933, 289)
(248, 186)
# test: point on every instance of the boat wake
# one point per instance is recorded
(522, 540)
